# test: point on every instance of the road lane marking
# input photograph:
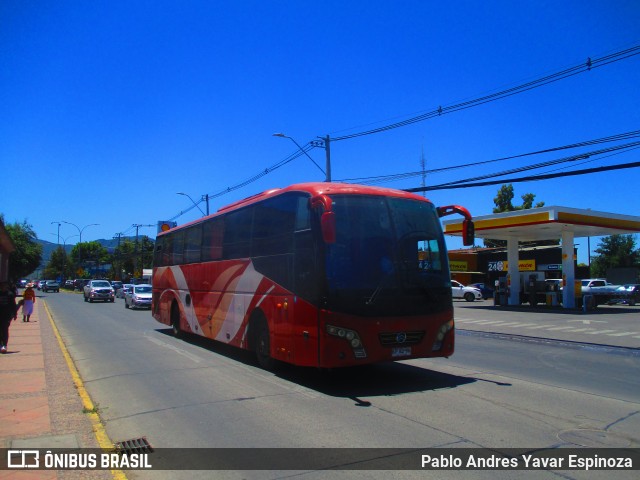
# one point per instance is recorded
(91, 410)
(179, 351)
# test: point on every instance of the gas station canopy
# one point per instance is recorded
(546, 223)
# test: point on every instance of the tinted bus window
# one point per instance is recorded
(273, 226)
(177, 248)
(237, 234)
(167, 250)
(193, 244)
(212, 235)
(157, 254)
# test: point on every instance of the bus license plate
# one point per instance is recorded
(401, 352)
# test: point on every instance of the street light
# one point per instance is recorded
(80, 230)
(64, 264)
(327, 174)
(204, 197)
(57, 223)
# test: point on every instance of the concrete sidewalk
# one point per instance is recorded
(39, 403)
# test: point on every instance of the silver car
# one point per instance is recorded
(138, 297)
(120, 293)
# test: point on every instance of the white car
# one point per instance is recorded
(138, 297)
(468, 293)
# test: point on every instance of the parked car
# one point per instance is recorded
(626, 294)
(98, 290)
(68, 284)
(487, 292)
(468, 293)
(40, 284)
(126, 287)
(138, 297)
(79, 284)
(23, 283)
(51, 286)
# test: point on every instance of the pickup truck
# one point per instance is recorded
(601, 290)
(98, 290)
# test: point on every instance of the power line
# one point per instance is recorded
(546, 164)
(402, 176)
(530, 178)
(589, 65)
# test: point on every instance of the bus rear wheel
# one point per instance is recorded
(263, 345)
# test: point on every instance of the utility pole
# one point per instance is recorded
(137, 227)
(206, 199)
(424, 173)
(118, 265)
(327, 151)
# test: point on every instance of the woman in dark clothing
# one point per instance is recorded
(8, 312)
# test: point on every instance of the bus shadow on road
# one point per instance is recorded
(379, 380)
(383, 379)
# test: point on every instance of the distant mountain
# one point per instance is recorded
(49, 247)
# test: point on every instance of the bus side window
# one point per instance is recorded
(237, 233)
(273, 226)
(193, 244)
(167, 250)
(178, 248)
(213, 232)
(157, 254)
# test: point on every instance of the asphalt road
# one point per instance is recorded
(497, 391)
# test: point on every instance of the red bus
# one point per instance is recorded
(317, 274)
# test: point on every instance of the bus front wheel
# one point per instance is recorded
(175, 320)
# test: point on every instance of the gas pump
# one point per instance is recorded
(502, 291)
(532, 290)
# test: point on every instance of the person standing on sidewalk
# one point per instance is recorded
(29, 297)
(8, 312)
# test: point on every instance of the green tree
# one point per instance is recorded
(123, 264)
(28, 253)
(59, 265)
(615, 251)
(86, 254)
(503, 202)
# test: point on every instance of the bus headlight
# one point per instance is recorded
(442, 332)
(350, 336)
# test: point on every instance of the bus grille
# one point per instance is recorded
(401, 338)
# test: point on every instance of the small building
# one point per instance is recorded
(6, 248)
(487, 265)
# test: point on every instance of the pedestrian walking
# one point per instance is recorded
(8, 312)
(29, 297)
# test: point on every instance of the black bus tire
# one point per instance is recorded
(263, 344)
(175, 320)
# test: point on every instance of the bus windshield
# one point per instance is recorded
(389, 258)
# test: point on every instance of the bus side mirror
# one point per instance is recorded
(468, 233)
(328, 226)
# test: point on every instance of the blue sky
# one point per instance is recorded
(110, 108)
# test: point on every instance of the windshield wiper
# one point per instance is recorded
(375, 293)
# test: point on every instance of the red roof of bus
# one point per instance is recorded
(316, 188)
